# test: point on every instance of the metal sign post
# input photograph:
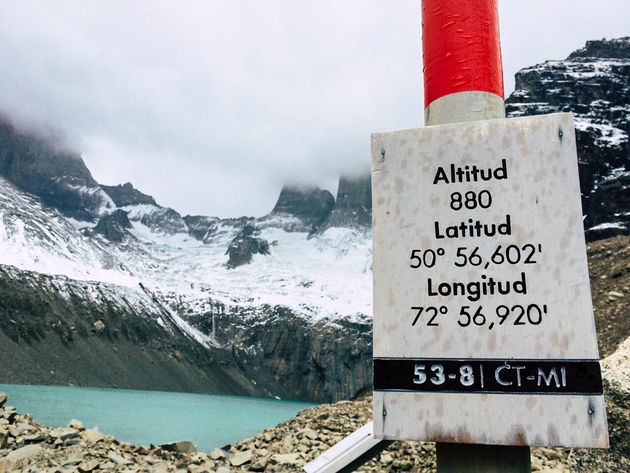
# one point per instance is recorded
(484, 335)
(446, 105)
(483, 322)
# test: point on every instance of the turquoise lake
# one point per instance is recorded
(145, 417)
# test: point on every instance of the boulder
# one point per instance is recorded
(98, 326)
(34, 438)
(118, 459)
(3, 398)
(240, 458)
(183, 446)
(260, 464)
(386, 459)
(92, 436)
(88, 466)
(72, 460)
(217, 454)
(76, 424)
(244, 246)
(16, 430)
(309, 433)
(159, 468)
(64, 434)
(287, 459)
(614, 295)
(8, 413)
(29, 451)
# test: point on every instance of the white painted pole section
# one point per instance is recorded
(345, 452)
(463, 107)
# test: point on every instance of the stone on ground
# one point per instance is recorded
(240, 458)
(76, 424)
(29, 451)
(183, 446)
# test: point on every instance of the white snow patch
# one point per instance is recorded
(609, 225)
(39, 239)
(324, 276)
(136, 212)
(107, 204)
(610, 135)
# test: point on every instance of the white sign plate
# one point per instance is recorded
(483, 320)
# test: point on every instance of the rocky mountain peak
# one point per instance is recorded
(126, 194)
(309, 205)
(37, 164)
(353, 206)
(612, 48)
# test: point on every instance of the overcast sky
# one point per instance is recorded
(211, 106)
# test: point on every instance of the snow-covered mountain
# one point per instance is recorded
(207, 278)
(278, 305)
(131, 239)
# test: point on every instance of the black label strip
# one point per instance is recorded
(488, 376)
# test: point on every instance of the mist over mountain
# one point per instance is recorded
(36, 164)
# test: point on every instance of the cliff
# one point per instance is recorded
(594, 84)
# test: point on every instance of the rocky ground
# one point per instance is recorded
(28, 447)
(609, 269)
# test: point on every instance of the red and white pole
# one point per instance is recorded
(463, 74)
(463, 81)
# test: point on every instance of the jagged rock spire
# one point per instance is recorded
(353, 206)
(310, 205)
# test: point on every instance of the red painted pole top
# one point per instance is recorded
(461, 49)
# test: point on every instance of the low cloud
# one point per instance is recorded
(213, 106)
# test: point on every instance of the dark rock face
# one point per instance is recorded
(353, 207)
(244, 246)
(322, 361)
(126, 194)
(594, 84)
(200, 227)
(310, 206)
(38, 165)
(164, 220)
(46, 331)
(613, 48)
(113, 226)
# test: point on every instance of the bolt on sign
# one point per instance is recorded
(483, 321)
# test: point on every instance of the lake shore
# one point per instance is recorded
(28, 447)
